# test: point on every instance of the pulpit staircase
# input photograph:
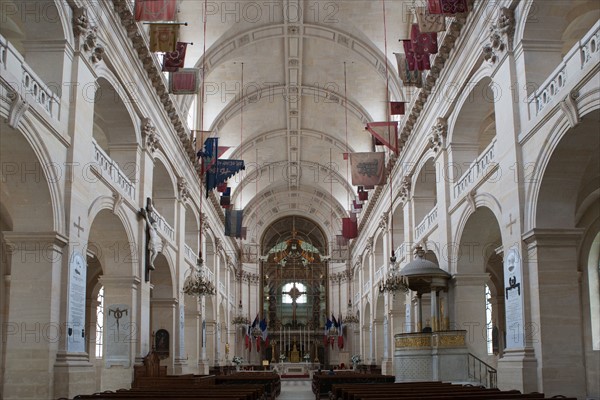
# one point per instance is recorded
(481, 373)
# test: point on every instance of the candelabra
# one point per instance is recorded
(394, 281)
(196, 284)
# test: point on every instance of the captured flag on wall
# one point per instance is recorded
(414, 60)
(409, 77)
(430, 22)
(423, 42)
(397, 108)
(386, 133)
(155, 10)
(233, 222)
(184, 81)
(174, 60)
(349, 228)
(447, 6)
(163, 37)
(367, 168)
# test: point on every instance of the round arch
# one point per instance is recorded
(560, 131)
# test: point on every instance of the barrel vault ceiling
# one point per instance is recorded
(297, 114)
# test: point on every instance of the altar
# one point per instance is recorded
(291, 368)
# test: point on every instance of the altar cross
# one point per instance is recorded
(294, 293)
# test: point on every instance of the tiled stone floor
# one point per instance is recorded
(296, 390)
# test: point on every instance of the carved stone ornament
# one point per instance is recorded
(184, 192)
(570, 108)
(81, 23)
(370, 242)
(501, 35)
(18, 107)
(149, 132)
(87, 34)
(438, 134)
(118, 201)
(405, 189)
(204, 222)
(383, 220)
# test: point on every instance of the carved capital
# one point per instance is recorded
(501, 35)
(184, 192)
(438, 134)
(219, 244)
(150, 134)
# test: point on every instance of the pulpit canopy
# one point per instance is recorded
(423, 275)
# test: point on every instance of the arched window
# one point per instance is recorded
(293, 290)
(489, 324)
(99, 322)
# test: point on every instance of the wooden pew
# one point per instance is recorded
(322, 383)
(425, 390)
(270, 380)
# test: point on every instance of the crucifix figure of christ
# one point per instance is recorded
(294, 293)
(153, 241)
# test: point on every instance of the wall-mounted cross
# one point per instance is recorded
(511, 222)
(78, 226)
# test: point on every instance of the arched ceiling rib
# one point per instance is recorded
(311, 83)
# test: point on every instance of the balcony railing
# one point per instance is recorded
(189, 254)
(581, 54)
(367, 286)
(477, 169)
(111, 171)
(163, 226)
(428, 222)
(26, 82)
(400, 253)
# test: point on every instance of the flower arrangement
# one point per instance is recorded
(307, 357)
(356, 359)
(237, 360)
(282, 357)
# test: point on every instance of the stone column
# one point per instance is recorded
(203, 362)
(33, 329)
(179, 351)
(119, 340)
(469, 309)
(555, 331)
(193, 326)
(434, 310)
